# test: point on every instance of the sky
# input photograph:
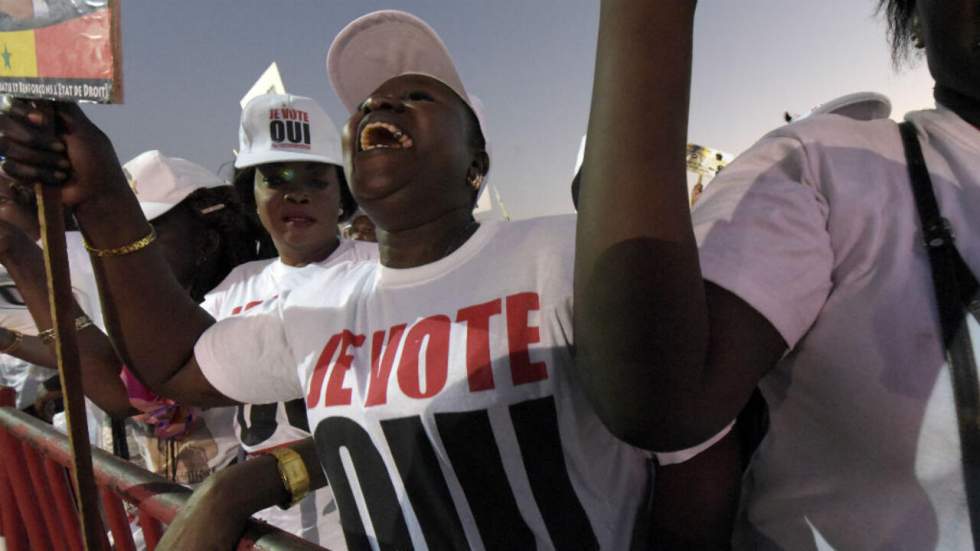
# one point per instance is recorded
(187, 63)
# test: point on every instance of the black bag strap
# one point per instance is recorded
(956, 289)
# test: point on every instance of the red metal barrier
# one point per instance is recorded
(37, 511)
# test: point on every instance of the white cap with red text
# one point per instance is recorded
(278, 128)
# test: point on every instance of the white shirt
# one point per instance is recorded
(815, 227)
(261, 427)
(442, 397)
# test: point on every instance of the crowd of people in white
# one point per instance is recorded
(589, 381)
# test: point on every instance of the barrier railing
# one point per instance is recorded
(37, 510)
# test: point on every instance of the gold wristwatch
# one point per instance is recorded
(292, 469)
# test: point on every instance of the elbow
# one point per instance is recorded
(640, 431)
(659, 434)
(658, 423)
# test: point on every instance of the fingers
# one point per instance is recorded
(22, 172)
(70, 115)
(38, 112)
(15, 150)
(28, 147)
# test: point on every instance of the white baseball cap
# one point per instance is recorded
(388, 43)
(161, 182)
(862, 106)
(279, 128)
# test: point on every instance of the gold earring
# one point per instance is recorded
(476, 181)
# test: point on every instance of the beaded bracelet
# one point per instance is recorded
(137, 245)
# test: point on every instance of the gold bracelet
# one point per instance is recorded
(137, 245)
(295, 477)
(18, 338)
(81, 322)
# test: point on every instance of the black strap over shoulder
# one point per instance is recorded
(956, 292)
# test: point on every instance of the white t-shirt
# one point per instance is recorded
(261, 427)
(442, 397)
(816, 228)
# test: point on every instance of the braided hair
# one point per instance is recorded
(900, 15)
(219, 210)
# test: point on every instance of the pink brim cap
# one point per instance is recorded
(388, 43)
(384, 44)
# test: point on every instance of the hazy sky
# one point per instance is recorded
(187, 63)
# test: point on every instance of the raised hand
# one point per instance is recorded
(56, 144)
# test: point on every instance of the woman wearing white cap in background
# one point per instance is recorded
(291, 149)
(450, 409)
(199, 223)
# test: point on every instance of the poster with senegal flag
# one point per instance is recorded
(61, 49)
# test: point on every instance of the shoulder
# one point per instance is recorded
(823, 131)
(822, 138)
(351, 251)
(333, 284)
(542, 233)
(544, 246)
(823, 152)
(241, 274)
(360, 250)
(236, 288)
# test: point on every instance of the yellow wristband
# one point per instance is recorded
(295, 477)
(137, 245)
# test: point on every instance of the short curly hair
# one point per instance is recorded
(900, 15)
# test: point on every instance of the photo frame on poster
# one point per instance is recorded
(68, 50)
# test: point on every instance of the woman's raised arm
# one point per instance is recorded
(666, 360)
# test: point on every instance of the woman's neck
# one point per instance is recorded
(428, 242)
(966, 107)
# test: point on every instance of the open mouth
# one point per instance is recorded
(383, 135)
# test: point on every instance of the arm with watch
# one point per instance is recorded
(281, 476)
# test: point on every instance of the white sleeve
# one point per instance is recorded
(212, 304)
(248, 358)
(761, 228)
